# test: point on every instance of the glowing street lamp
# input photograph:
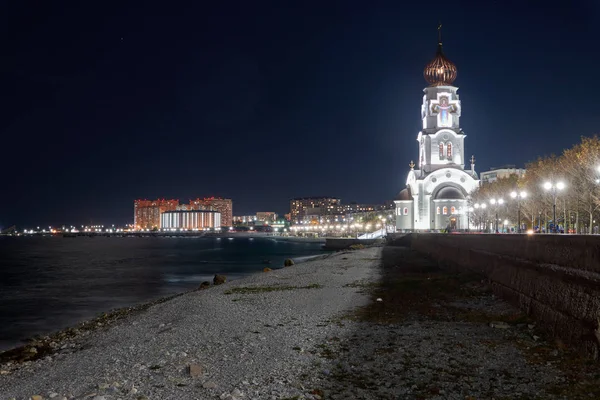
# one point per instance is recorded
(553, 188)
(519, 196)
(496, 203)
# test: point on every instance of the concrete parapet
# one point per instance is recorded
(553, 278)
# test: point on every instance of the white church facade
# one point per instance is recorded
(436, 193)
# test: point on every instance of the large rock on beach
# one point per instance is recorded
(219, 279)
(288, 262)
(204, 285)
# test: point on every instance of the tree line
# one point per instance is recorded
(576, 170)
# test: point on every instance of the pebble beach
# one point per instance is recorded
(330, 328)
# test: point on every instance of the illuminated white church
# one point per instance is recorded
(436, 193)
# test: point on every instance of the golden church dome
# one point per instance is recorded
(440, 71)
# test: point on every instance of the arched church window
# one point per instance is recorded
(441, 151)
(405, 210)
(438, 211)
(445, 210)
(449, 151)
(452, 210)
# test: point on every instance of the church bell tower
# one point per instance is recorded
(441, 142)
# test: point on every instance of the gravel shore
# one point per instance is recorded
(237, 340)
(378, 323)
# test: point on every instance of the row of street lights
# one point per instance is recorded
(552, 187)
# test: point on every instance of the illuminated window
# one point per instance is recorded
(445, 210)
(452, 210)
(441, 151)
(405, 210)
(438, 211)
(449, 151)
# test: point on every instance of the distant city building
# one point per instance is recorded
(356, 208)
(147, 212)
(501, 173)
(244, 219)
(190, 219)
(372, 216)
(319, 210)
(321, 205)
(266, 217)
(260, 218)
(288, 217)
(224, 206)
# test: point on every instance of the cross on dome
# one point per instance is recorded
(440, 71)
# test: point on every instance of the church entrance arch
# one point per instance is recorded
(453, 223)
(451, 199)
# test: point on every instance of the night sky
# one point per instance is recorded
(261, 102)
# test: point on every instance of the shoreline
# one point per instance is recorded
(73, 297)
(197, 326)
(42, 342)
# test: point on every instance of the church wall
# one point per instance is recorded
(446, 136)
(427, 140)
(404, 214)
(443, 220)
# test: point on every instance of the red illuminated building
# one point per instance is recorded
(147, 212)
(224, 206)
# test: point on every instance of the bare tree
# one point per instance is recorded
(581, 163)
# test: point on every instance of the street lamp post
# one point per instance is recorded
(496, 203)
(469, 211)
(554, 188)
(518, 196)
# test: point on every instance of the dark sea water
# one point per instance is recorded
(49, 283)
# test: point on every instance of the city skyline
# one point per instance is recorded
(94, 101)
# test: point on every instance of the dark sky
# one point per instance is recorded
(104, 103)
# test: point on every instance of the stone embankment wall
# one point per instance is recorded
(553, 278)
(343, 243)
